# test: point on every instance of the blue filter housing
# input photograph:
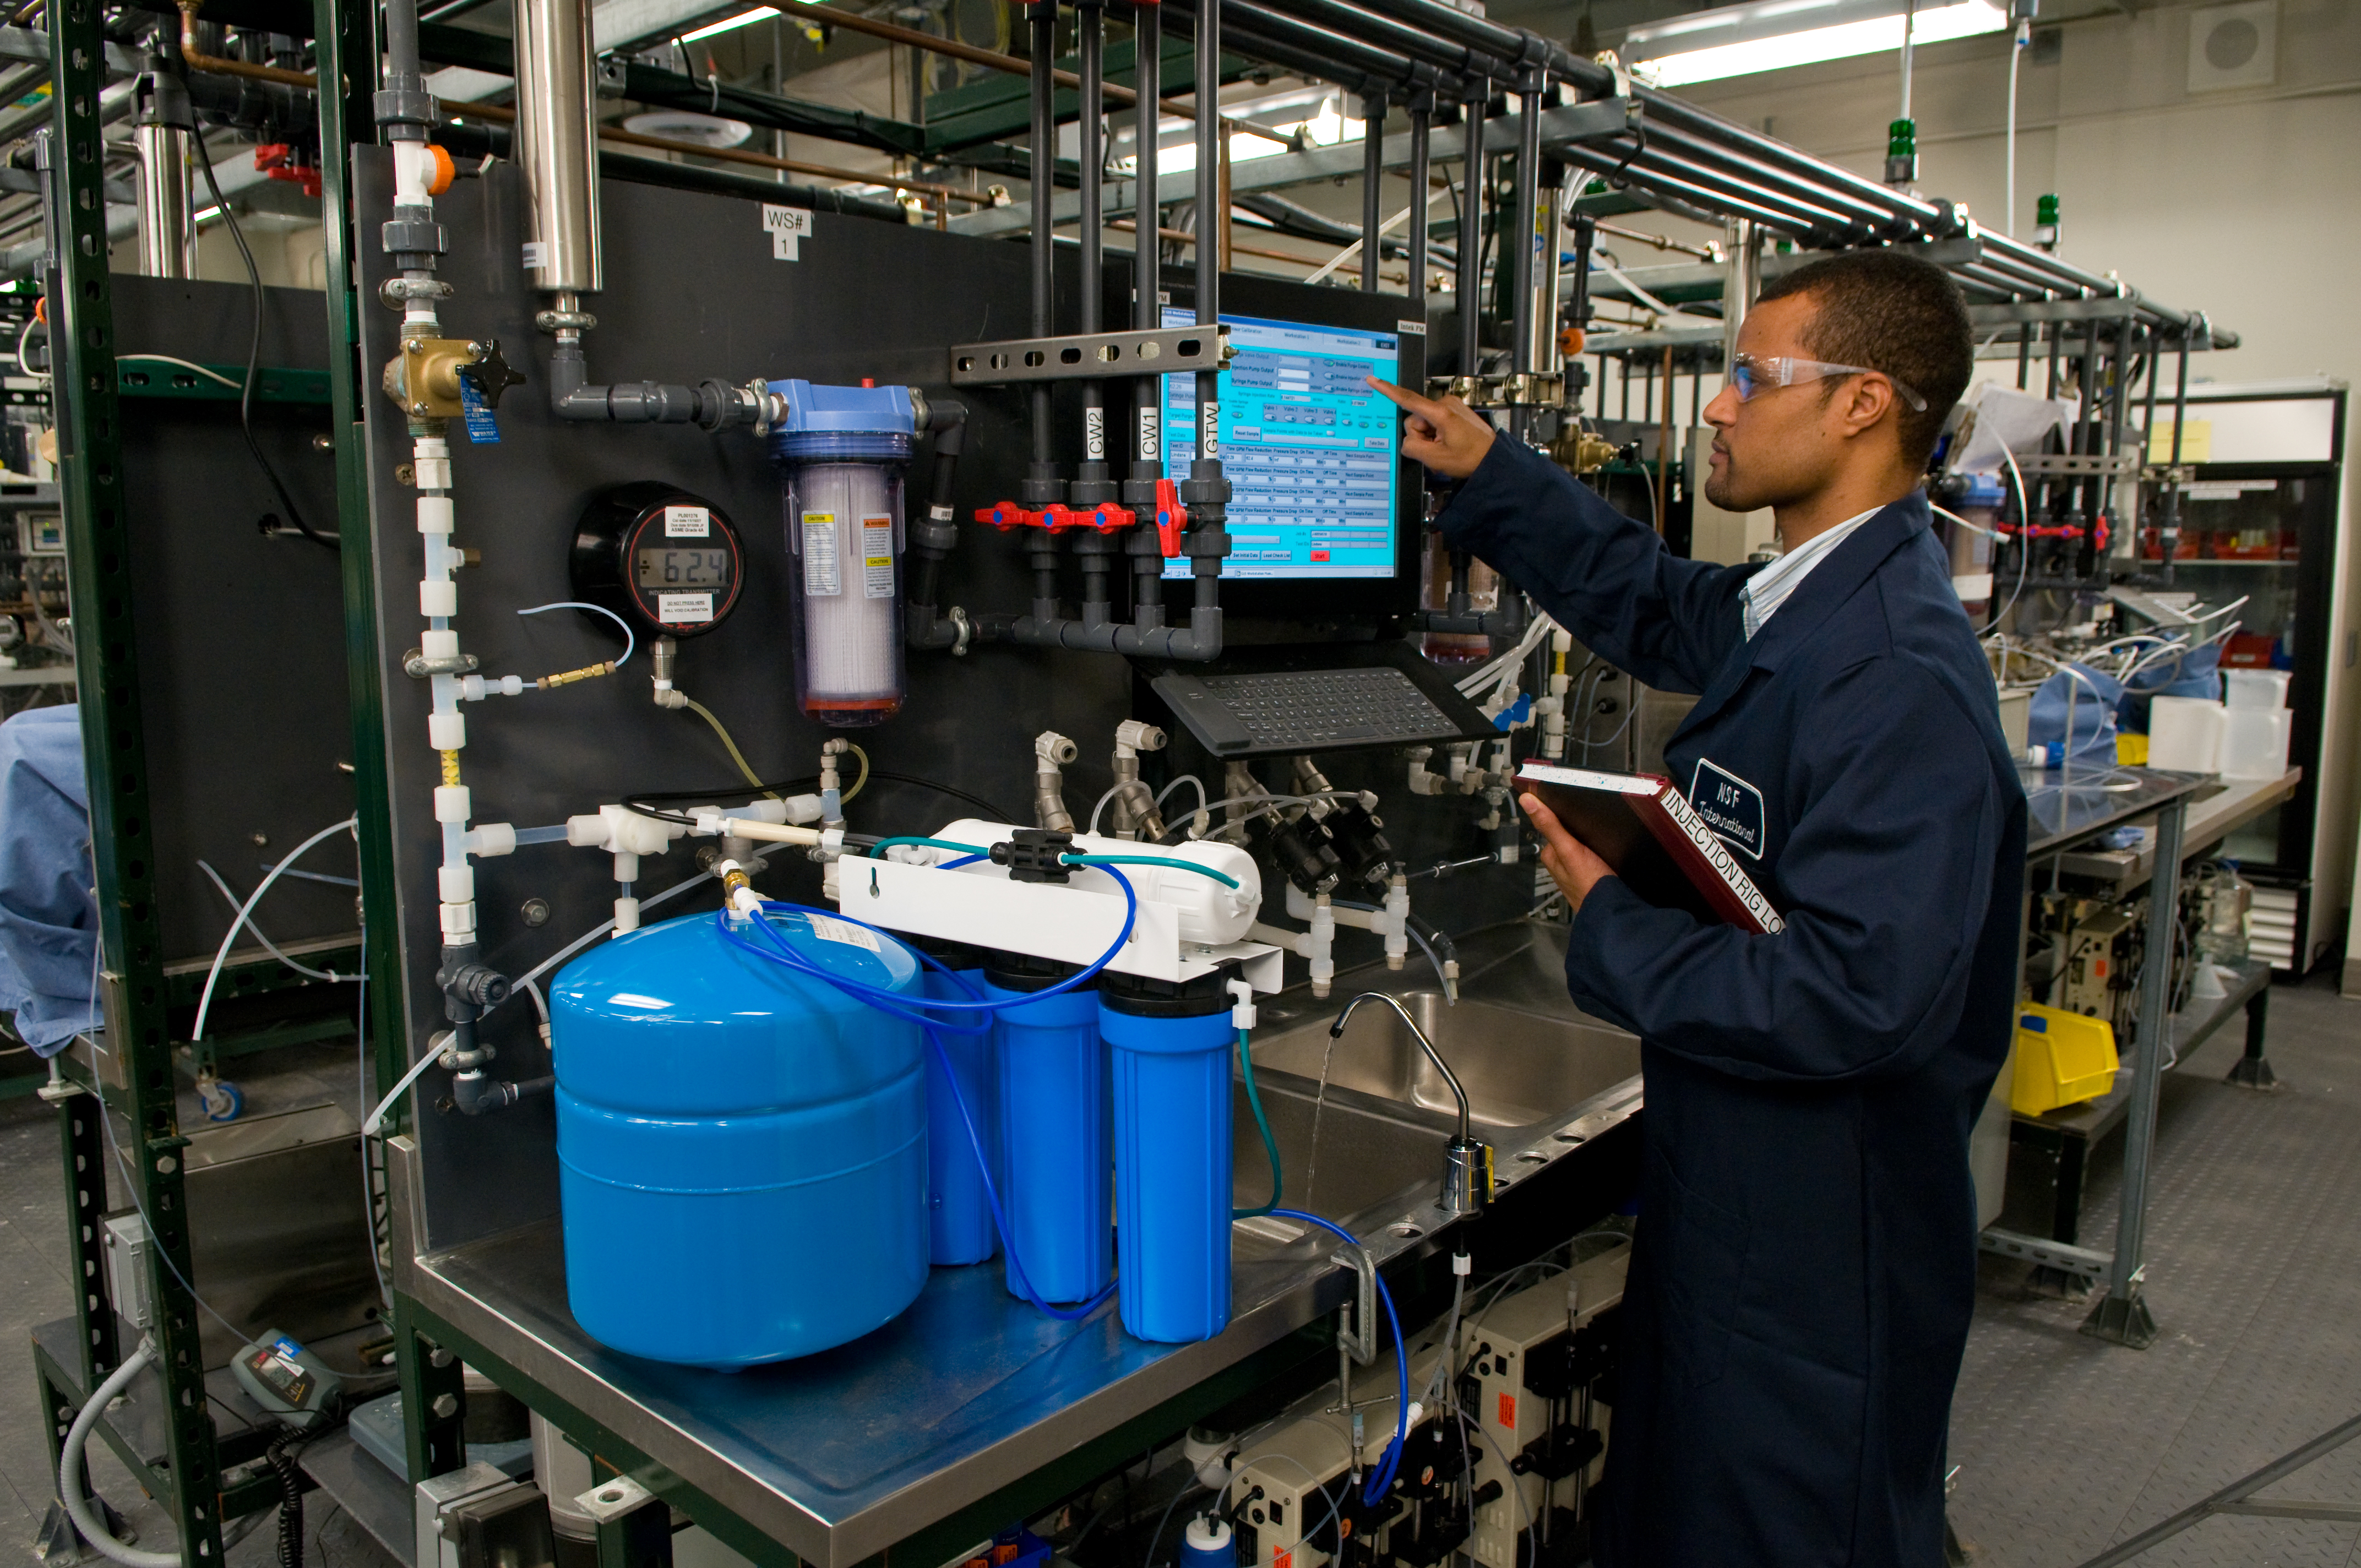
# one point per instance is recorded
(1053, 1133)
(742, 1150)
(1172, 1069)
(959, 1210)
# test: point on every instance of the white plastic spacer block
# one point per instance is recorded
(451, 803)
(458, 922)
(438, 598)
(435, 515)
(457, 884)
(626, 915)
(492, 838)
(439, 645)
(446, 731)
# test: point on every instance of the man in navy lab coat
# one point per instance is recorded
(1806, 1258)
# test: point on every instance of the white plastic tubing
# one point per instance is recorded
(438, 601)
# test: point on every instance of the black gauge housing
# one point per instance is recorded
(667, 561)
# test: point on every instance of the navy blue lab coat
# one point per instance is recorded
(1805, 1264)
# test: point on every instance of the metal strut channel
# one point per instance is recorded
(98, 562)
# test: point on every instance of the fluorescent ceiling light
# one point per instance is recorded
(729, 24)
(1773, 35)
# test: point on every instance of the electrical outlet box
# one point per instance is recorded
(127, 1244)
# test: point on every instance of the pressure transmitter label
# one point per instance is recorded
(877, 557)
(822, 580)
(687, 523)
(683, 609)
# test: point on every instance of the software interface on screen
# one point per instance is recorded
(1310, 450)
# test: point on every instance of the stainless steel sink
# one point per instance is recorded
(1361, 1128)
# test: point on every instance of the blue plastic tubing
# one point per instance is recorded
(959, 1211)
(742, 1147)
(1172, 1167)
(1053, 1140)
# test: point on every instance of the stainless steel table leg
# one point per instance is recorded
(2123, 1315)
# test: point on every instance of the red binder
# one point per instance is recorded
(1642, 826)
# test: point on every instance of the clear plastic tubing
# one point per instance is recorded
(1170, 1055)
(959, 1210)
(1053, 1131)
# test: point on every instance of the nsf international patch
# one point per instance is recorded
(1730, 806)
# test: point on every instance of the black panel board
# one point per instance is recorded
(692, 292)
(241, 634)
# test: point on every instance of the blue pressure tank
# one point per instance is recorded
(1053, 1130)
(1170, 1046)
(958, 1208)
(741, 1149)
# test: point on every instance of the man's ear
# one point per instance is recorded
(1864, 400)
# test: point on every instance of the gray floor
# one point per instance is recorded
(2064, 1444)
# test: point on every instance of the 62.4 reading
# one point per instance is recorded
(664, 568)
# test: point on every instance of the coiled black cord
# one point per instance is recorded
(290, 1497)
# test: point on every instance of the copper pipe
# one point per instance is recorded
(952, 48)
(199, 60)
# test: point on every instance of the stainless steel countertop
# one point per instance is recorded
(838, 1456)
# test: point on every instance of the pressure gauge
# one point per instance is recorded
(665, 561)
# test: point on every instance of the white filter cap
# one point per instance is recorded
(446, 731)
(1206, 1534)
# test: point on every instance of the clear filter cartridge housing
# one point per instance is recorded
(842, 452)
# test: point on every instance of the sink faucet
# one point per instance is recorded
(1467, 1161)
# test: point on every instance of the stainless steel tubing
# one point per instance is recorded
(556, 142)
(166, 237)
(1528, 221)
(1470, 286)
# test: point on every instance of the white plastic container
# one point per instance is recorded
(2255, 742)
(2256, 688)
(2184, 734)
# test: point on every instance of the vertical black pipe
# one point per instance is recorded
(1373, 180)
(1094, 482)
(1144, 547)
(1528, 225)
(1420, 114)
(2168, 531)
(1207, 494)
(1471, 237)
(1041, 486)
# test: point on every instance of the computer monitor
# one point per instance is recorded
(1320, 491)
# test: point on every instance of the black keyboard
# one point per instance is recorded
(1299, 710)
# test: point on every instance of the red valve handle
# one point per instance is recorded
(1172, 519)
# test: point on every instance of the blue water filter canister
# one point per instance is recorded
(741, 1149)
(1053, 1131)
(958, 1208)
(1170, 1048)
(1207, 1542)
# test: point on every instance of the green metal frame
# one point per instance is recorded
(133, 992)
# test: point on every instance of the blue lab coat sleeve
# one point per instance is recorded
(48, 928)
(1884, 881)
(1604, 577)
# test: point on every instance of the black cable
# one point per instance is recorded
(253, 350)
(290, 1498)
(650, 802)
(949, 791)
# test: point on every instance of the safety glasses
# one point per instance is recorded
(1751, 374)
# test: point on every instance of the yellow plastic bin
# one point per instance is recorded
(2062, 1058)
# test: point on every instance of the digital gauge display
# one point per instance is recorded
(665, 561)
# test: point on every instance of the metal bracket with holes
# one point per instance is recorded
(1095, 355)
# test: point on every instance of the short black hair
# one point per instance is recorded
(1886, 310)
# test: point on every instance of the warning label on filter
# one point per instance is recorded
(822, 580)
(687, 523)
(877, 557)
(683, 609)
(828, 929)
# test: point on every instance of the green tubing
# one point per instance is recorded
(876, 850)
(1269, 1144)
(1222, 877)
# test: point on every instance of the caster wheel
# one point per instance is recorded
(222, 1101)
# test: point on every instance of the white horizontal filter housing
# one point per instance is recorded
(1209, 911)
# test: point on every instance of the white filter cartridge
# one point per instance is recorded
(845, 523)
